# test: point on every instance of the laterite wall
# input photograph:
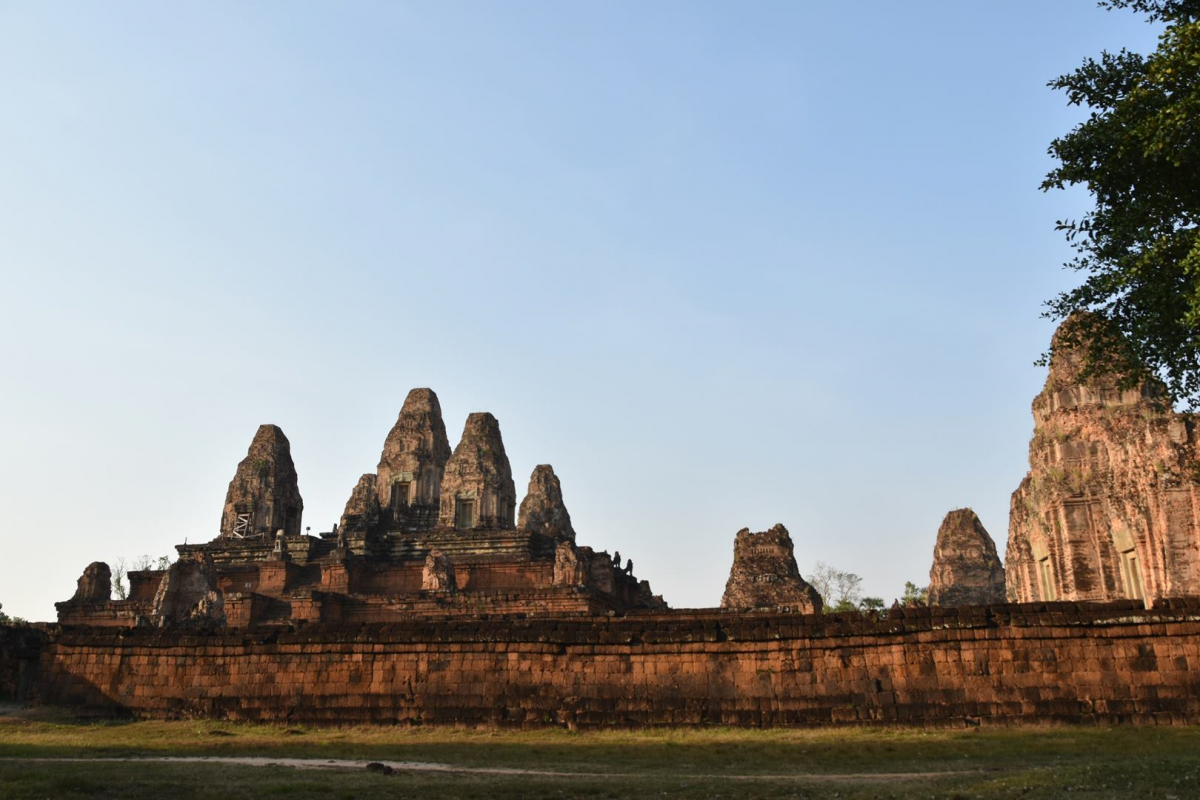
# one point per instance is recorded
(998, 664)
(20, 647)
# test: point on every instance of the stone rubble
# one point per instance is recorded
(95, 584)
(188, 595)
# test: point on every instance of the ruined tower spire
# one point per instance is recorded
(409, 477)
(263, 496)
(764, 574)
(966, 568)
(1110, 506)
(543, 511)
(478, 489)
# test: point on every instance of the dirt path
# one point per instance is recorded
(430, 766)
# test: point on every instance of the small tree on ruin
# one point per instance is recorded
(122, 568)
(840, 590)
(1138, 155)
(5, 619)
(913, 594)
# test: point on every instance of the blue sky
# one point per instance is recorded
(721, 264)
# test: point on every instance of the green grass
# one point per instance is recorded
(718, 762)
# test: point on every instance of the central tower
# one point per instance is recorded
(409, 476)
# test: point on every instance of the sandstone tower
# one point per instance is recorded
(765, 575)
(1110, 507)
(409, 476)
(362, 512)
(966, 568)
(478, 489)
(543, 511)
(263, 496)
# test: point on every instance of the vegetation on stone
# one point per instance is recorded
(1138, 154)
(5, 619)
(913, 594)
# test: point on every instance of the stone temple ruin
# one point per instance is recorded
(966, 568)
(1110, 508)
(431, 533)
(436, 599)
(765, 575)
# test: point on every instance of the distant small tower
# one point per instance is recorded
(966, 568)
(764, 574)
(543, 510)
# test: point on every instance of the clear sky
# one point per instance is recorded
(722, 264)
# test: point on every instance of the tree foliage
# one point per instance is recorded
(871, 604)
(914, 594)
(5, 619)
(121, 569)
(119, 590)
(840, 590)
(1138, 154)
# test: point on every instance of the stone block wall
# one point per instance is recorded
(999, 664)
(20, 647)
(256, 610)
(111, 614)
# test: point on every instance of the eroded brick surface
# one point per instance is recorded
(20, 648)
(943, 666)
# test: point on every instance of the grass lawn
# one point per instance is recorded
(716, 762)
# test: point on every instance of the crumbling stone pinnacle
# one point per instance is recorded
(764, 574)
(543, 511)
